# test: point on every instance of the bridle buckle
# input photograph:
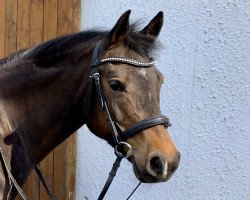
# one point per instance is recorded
(96, 76)
(123, 149)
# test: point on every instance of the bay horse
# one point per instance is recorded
(46, 95)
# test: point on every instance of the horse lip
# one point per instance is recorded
(141, 176)
(137, 172)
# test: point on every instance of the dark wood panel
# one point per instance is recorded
(65, 25)
(2, 28)
(10, 26)
(24, 23)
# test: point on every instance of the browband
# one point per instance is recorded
(126, 61)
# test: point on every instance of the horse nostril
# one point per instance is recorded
(156, 165)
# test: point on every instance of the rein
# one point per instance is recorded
(11, 178)
(14, 182)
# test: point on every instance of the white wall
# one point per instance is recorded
(205, 61)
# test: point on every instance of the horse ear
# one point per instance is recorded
(120, 30)
(154, 26)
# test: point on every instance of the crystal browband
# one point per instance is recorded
(126, 61)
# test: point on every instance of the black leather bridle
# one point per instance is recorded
(118, 138)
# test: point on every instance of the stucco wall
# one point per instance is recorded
(206, 64)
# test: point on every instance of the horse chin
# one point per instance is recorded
(144, 177)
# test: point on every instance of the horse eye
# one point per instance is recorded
(116, 85)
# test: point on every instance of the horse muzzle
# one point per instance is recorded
(157, 168)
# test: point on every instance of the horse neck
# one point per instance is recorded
(43, 106)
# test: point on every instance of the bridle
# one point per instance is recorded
(94, 78)
(118, 138)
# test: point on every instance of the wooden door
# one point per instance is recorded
(24, 23)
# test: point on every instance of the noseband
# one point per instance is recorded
(118, 138)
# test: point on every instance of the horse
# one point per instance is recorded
(47, 93)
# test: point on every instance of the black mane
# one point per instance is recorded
(65, 45)
(82, 42)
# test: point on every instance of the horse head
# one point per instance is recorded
(132, 94)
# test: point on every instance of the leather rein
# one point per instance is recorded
(118, 138)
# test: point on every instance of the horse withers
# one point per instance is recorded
(46, 93)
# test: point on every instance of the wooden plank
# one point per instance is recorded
(22, 41)
(32, 186)
(50, 19)
(47, 168)
(49, 32)
(76, 5)
(36, 22)
(71, 167)
(65, 14)
(23, 24)
(64, 169)
(2, 28)
(71, 158)
(64, 155)
(35, 37)
(28, 22)
(10, 26)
